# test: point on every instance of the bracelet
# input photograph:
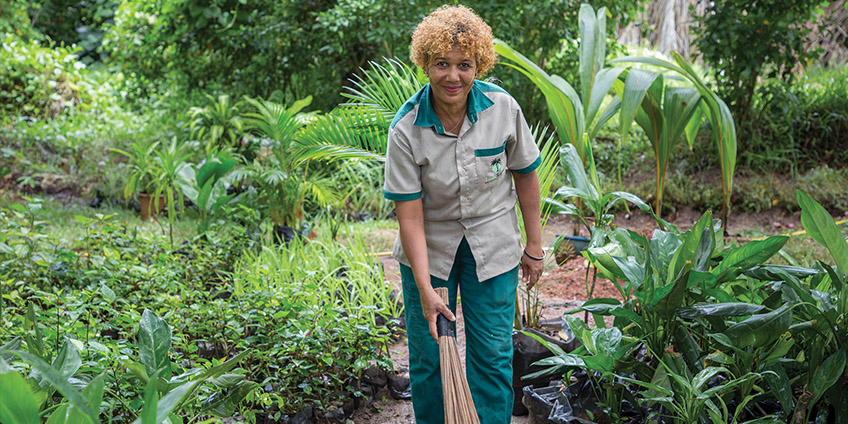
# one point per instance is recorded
(533, 257)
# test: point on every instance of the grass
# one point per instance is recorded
(378, 235)
(65, 227)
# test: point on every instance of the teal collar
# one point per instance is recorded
(426, 116)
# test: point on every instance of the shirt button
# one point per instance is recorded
(459, 139)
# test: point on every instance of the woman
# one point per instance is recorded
(454, 150)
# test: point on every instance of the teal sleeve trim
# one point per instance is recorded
(490, 152)
(401, 196)
(530, 168)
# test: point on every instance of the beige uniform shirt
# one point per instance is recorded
(462, 180)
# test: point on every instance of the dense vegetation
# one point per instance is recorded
(257, 132)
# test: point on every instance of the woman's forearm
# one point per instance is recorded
(410, 216)
(529, 200)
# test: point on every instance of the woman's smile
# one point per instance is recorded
(451, 77)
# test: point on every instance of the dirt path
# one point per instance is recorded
(562, 289)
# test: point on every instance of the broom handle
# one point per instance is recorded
(443, 327)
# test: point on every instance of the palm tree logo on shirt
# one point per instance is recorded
(497, 169)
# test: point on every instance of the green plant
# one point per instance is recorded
(715, 111)
(823, 316)
(169, 171)
(665, 113)
(798, 126)
(219, 126)
(743, 40)
(588, 191)
(575, 116)
(164, 394)
(142, 167)
(39, 81)
(601, 348)
(688, 398)
(206, 187)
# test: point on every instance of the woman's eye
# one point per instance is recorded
(442, 64)
(464, 65)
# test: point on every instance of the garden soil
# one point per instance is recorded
(562, 289)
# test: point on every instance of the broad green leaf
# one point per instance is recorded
(592, 27)
(227, 380)
(168, 403)
(778, 383)
(821, 227)
(606, 341)
(15, 344)
(634, 272)
(666, 300)
(225, 405)
(628, 315)
(780, 348)
(694, 124)
(222, 368)
(703, 252)
(607, 114)
(747, 256)
(636, 86)
(601, 305)
(612, 198)
(601, 363)
(689, 248)
(35, 345)
(686, 344)
(827, 374)
(771, 272)
(64, 414)
(67, 361)
(705, 375)
(573, 167)
(736, 309)
(762, 329)
(154, 342)
(564, 104)
(60, 382)
(601, 87)
(18, 405)
(679, 107)
(577, 326)
(151, 401)
(138, 369)
(663, 247)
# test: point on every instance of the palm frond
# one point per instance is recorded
(352, 132)
(384, 88)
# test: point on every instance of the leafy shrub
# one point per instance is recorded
(745, 39)
(800, 126)
(313, 316)
(39, 81)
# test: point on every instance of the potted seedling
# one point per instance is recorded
(143, 169)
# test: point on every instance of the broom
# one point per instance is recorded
(459, 406)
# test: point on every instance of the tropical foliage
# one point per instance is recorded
(695, 309)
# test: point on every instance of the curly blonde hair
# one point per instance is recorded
(447, 26)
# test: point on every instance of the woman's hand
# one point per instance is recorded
(531, 269)
(432, 305)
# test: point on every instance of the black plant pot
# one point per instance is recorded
(526, 351)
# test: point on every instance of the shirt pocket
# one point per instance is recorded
(491, 163)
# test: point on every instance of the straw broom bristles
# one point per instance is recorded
(459, 406)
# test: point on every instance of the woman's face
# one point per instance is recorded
(451, 77)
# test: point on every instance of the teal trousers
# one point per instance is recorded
(488, 308)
